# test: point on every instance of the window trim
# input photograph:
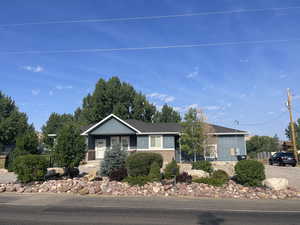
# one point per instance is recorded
(161, 142)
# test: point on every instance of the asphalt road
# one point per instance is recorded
(75, 210)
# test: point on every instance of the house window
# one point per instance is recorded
(155, 141)
(114, 141)
(211, 152)
(125, 142)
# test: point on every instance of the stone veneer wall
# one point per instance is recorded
(167, 155)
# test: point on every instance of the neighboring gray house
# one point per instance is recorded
(225, 144)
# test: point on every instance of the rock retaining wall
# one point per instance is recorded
(105, 187)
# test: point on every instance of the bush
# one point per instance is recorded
(137, 180)
(250, 172)
(118, 174)
(114, 159)
(171, 169)
(154, 174)
(184, 178)
(217, 182)
(220, 174)
(203, 165)
(70, 148)
(139, 163)
(30, 168)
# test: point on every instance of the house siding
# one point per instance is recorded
(112, 127)
(225, 143)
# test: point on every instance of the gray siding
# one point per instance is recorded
(225, 143)
(143, 142)
(112, 126)
(168, 141)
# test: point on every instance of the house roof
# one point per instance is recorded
(155, 127)
(144, 127)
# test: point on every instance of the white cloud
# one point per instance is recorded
(244, 60)
(271, 113)
(35, 69)
(51, 93)
(212, 107)
(296, 97)
(192, 106)
(60, 87)
(193, 74)
(161, 97)
(283, 76)
(35, 92)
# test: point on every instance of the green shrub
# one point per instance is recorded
(203, 165)
(137, 180)
(217, 182)
(250, 172)
(154, 174)
(220, 174)
(139, 163)
(171, 169)
(114, 159)
(30, 168)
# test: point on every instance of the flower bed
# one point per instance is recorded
(114, 188)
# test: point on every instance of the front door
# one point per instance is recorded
(100, 147)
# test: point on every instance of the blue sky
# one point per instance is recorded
(244, 82)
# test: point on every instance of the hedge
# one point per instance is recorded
(139, 163)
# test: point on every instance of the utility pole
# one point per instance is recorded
(289, 105)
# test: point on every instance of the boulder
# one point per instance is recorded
(276, 183)
(185, 167)
(55, 170)
(84, 191)
(198, 173)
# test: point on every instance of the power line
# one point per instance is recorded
(264, 122)
(149, 17)
(94, 50)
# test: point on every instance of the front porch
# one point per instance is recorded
(98, 144)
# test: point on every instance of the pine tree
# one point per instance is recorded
(113, 159)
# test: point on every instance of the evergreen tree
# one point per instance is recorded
(114, 159)
(167, 115)
(154, 173)
(70, 148)
(27, 143)
(288, 132)
(53, 126)
(194, 134)
(12, 122)
(262, 144)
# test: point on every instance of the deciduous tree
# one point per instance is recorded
(194, 133)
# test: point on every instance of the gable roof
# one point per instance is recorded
(92, 127)
(170, 128)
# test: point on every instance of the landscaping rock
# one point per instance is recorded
(276, 183)
(105, 187)
(198, 173)
(84, 191)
